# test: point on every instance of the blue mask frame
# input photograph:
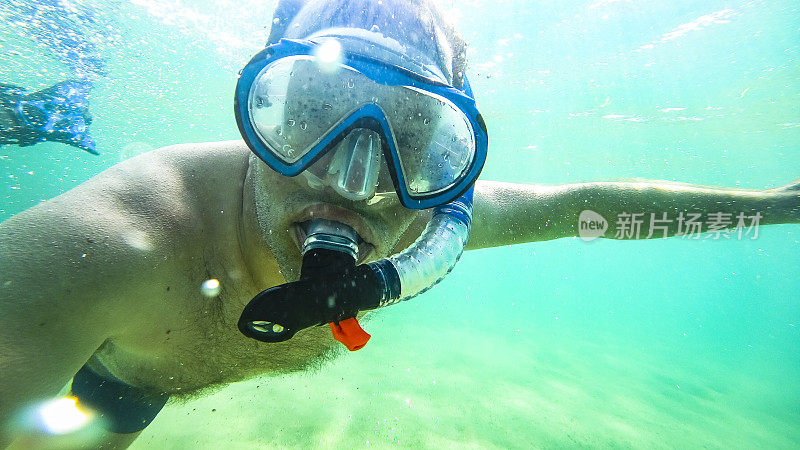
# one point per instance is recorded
(369, 116)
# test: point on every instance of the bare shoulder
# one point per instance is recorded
(171, 181)
(89, 265)
(120, 232)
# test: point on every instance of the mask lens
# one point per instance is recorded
(435, 141)
(266, 102)
(296, 101)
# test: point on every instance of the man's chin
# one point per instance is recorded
(286, 255)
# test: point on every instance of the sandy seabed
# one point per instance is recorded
(463, 389)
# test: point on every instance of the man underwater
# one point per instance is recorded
(109, 279)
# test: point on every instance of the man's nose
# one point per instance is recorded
(355, 166)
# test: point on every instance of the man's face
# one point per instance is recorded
(300, 102)
(283, 203)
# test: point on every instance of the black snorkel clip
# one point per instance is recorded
(331, 289)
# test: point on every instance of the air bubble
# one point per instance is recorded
(426, 121)
(327, 106)
(290, 122)
(210, 288)
(303, 125)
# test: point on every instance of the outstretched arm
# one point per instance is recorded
(508, 213)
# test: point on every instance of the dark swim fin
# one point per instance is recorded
(59, 113)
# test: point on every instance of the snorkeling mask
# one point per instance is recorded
(364, 119)
(297, 100)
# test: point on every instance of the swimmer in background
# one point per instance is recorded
(59, 113)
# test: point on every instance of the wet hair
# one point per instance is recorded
(418, 23)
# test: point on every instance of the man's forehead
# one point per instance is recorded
(379, 46)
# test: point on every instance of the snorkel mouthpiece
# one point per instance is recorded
(332, 289)
(330, 235)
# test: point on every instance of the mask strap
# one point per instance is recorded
(285, 12)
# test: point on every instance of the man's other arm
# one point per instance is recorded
(510, 213)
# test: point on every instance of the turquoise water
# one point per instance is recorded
(665, 343)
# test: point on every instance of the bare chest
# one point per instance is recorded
(195, 343)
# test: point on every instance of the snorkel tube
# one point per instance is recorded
(332, 289)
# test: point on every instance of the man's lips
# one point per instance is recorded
(337, 214)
